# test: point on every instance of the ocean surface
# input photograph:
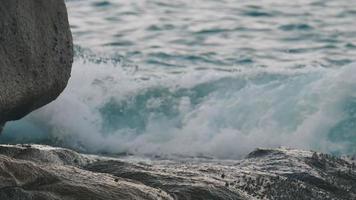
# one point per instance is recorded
(204, 78)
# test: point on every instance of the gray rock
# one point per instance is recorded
(36, 55)
(40, 172)
(44, 172)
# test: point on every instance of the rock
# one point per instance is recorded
(1, 126)
(25, 180)
(31, 177)
(258, 153)
(222, 176)
(44, 154)
(266, 174)
(44, 172)
(36, 55)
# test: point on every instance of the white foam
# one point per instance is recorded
(271, 108)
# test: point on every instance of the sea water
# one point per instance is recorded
(204, 77)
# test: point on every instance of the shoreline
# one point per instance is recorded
(265, 173)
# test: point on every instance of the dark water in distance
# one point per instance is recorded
(204, 77)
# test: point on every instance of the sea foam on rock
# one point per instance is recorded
(36, 55)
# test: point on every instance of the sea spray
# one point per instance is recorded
(110, 108)
(215, 78)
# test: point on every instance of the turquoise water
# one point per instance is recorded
(204, 77)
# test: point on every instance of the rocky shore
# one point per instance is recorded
(36, 55)
(44, 172)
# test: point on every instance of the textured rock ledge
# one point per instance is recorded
(42, 172)
(36, 55)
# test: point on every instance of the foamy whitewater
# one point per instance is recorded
(212, 78)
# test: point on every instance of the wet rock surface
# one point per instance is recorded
(43, 172)
(36, 55)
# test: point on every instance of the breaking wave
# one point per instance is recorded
(112, 107)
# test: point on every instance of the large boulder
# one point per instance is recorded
(36, 55)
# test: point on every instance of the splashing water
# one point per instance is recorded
(214, 83)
